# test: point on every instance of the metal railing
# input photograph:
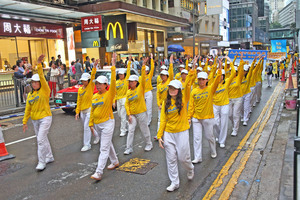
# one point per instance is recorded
(7, 93)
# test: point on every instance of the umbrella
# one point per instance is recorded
(176, 48)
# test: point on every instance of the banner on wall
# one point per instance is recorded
(278, 45)
(276, 55)
(71, 44)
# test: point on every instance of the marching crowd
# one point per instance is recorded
(205, 94)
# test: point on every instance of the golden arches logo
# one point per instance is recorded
(114, 29)
(95, 43)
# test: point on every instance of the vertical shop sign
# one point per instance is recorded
(71, 44)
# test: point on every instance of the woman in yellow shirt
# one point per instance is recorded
(38, 108)
(158, 80)
(122, 87)
(136, 110)
(200, 112)
(174, 128)
(103, 119)
(84, 102)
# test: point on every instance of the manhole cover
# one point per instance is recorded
(137, 166)
(8, 168)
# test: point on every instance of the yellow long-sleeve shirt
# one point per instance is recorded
(178, 76)
(171, 121)
(246, 81)
(135, 99)
(259, 72)
(187, 84)
(84, 96)
(102, 103)
(201, 101)
(161, 92)
(122, 85)
(37, 104)
(158, 80)
(253, 78)
(235, 89)
(221, 96)
(149, 76)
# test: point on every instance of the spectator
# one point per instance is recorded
(72, 70)
(54, 73)
(141, 61)
(60, 78)
(17, 73)
(52, 60)
(79, 69)
(87, 64)
(58, 61)
(270, 74)
(92, 63)
(166, 61)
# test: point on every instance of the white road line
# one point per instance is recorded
(24, 139)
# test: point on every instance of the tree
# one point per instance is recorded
(275, 25)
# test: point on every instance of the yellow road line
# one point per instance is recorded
(224, 171)
(233, 180)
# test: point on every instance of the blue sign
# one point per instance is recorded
(278, 45)
(247, 54)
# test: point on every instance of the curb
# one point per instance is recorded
(16, 110)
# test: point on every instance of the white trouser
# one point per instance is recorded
(246, 106)
(87, 134)
(269, 77)
(122, 114)
(158, 119)
(258, 91)
(142, 119)
(235, 106)
(208, 126)
(41, 129)
(221, 114)
(107, 150)
(149, 99)
(177, 147)
(253, 97)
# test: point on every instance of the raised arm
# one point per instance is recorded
(112, 89)
(171, 72)
(188, 84)
(143, 75)
(44, 85)
(150, 75)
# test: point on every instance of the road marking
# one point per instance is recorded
(18, 141)
(224, 171)
(233, 180)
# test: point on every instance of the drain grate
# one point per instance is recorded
(137, 166)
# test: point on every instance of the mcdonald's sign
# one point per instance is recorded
(116, 33)
(95, 43)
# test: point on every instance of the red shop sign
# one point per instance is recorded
(30, 29)
(92, 23)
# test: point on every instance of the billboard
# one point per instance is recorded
(90, 39)
(214, 7)
(116, 33)
(278, 45)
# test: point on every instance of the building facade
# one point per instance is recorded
(287, 15)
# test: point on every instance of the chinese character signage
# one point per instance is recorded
(116, 33)
(278, 45)
(247, 54)
(276, 55)
(92, 23)
(30, 29)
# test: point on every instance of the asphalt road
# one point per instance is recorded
(69, 176)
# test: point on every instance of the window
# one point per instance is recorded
(171, 3)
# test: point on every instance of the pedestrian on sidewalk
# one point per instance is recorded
(78, 69)
(122, 87)
(269, 74)
(54, 74)
(200, 112)
(84, 103)
(38, 108)
(102, 118)
(136, 110)
(61, 77)
(173, 133)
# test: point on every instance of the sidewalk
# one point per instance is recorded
(262, 166)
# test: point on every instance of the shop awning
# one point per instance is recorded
(135, 13)
(39, 12)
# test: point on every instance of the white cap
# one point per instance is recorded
(196, 64)
(228, 62)
(176, 84)
(236, 68)
(101, 79)
(190, 65)
(202, 75)
(223, 71)
(122, 71)
(203, 63)
(35, 77)
(183, 66)
(184, 71)
(85, 77)
(199, 68)
(223, 64)
(246, 67)
(133, 78)
(211, 60)
(163, 67)
(147, 68)
(208, 69)
(164, 72)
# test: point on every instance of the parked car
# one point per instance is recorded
(68, 96)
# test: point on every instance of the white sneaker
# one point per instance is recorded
(217, 139)
(190, 174)
(96, 176)
(96, 140)
(85, 148)
(222, 145)
(195, 161)
(213, 155)
(245, 123)
(49, 160)
(148, 147)
(254, 104)
(128, 151)
(242, 119)
(234, 133)
(113, 166)
(172, 187)
(122, 134)
(40, 166)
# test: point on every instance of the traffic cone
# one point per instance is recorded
(293, 68)
(4, 155)
(290, 83)
(283, 76)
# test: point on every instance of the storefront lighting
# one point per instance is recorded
(24, 18)
(5, 16)
(15, 17)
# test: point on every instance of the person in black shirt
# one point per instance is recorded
(87, 64)
(58, 61)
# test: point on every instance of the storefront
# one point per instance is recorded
(28, 40)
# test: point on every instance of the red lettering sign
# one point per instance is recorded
(92, 23)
